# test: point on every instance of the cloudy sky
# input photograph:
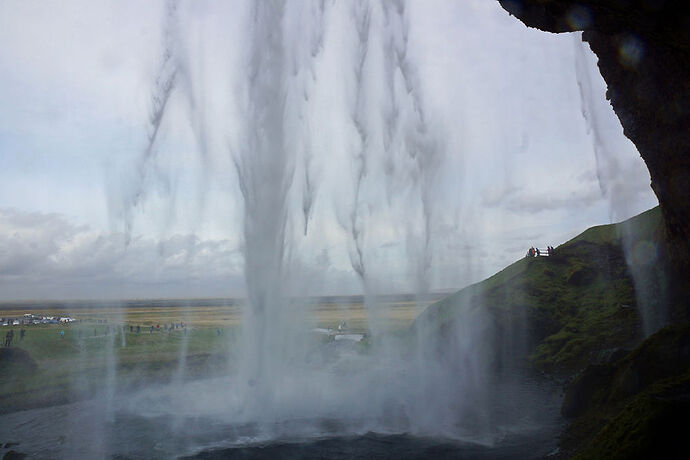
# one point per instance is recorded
(515, 145)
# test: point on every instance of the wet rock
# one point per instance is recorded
(664, 355)
(654, 424)
(587, 389)
(13, 455)
(611, 355)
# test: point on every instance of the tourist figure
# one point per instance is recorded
(22, 333)
(138, 328)
(538, 253)
(8, 338)
(62, 334)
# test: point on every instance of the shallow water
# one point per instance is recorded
(177, 421)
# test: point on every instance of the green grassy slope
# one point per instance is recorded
(577, 305)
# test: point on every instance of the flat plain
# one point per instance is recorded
(58, 363)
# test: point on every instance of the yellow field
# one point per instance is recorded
(395, 315)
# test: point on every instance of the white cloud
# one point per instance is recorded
(45, 256)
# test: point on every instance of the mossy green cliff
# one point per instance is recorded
(580, 318)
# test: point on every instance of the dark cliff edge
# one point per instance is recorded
(644, 56)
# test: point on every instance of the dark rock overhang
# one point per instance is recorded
(643, 48)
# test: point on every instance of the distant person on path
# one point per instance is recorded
(22, 333)
(151, 330)
(131, 328)
(8, 338)
(538, 253)
(138, 328)
(62, 334)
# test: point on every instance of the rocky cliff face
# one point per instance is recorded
(643, 48)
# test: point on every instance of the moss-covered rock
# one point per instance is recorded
(654, 424)
(626, 400)
(586, 389)
(663, 355)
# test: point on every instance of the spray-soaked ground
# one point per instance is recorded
(59, 433)
(341, 403)
(137, 430)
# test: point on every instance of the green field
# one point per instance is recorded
(48, 368)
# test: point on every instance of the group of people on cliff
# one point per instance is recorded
(535, 252)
